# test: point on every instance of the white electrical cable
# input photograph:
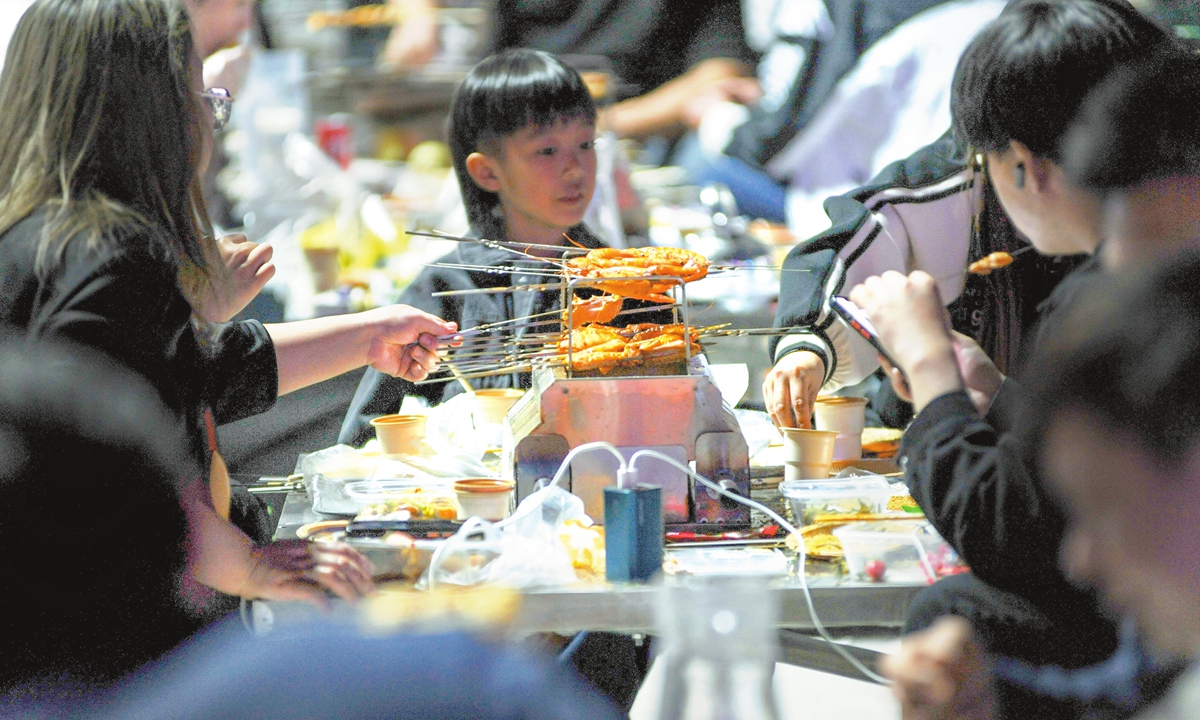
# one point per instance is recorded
(812, 611)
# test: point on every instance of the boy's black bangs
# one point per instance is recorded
(530, 91)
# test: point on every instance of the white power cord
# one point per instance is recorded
(812, 611)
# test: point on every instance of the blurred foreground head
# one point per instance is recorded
(91, 528)
(1117, 430)
(1136, 144)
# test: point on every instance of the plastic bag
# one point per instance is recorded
(326, 473)
(521, 552)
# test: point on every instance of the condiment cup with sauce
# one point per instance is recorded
(845, 416)
(487, 498)
(807, 454)
(400, 434)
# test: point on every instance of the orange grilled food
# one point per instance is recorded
(598, 309)
(639, 267)
(985, 265)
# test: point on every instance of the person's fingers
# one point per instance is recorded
(799, 404)
(343, 577)
(404, 365)
(264, 273)
(259, 255)
(300, 589)
(426, 359)
(426, 324)
(779, 403)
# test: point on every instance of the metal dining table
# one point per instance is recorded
(846, 608)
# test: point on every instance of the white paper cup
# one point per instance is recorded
(807, 454)
(845, 416)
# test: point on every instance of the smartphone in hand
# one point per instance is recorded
(858, 320)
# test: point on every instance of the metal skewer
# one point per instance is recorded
(501, 244)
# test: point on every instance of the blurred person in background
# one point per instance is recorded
(667, 55)
(104, 241)
(848, 87)
(219, 28)
(218, 24)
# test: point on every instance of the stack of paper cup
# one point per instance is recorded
(808, 454)
(845, 416)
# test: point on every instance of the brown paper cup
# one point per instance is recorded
(400, 434)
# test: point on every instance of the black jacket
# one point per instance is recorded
(121, 296)
(982, 491)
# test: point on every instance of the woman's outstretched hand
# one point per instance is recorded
(406, 342)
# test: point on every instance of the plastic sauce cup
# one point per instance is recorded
(400, 434)
(492, 405)
(486, 498)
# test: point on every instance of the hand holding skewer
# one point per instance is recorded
(406, 341)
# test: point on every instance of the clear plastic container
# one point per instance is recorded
(403, 500)
(902, 551)
(810, 498)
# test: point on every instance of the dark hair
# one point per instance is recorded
(1127, 355)
(501, 95)
(91, 526)
(1141, 124)
(1026, 74)
(100, 123)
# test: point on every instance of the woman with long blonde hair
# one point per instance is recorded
(105, 129)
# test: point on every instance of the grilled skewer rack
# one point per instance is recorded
(681, 416)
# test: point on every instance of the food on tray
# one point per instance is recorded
(411, 506)
(881, 441)
(812, 499)
(985, 265)
(638, 263)
(819, 542)
(903, 503)
(875, 570)
(837, 506)
(585, 545)
(896, 551)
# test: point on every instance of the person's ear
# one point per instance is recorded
(1030, 172)
(484, 170)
